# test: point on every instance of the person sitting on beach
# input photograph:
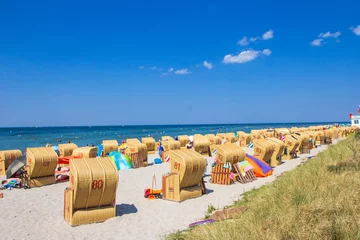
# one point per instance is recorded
(123, 146)
(189, 145)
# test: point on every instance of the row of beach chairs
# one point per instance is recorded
(91, 195)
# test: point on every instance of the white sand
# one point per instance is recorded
(37, 213)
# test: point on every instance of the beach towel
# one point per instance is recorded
(100, 149)
(56, 149)
(66, 160)
(121, 161)
(157, 161)
(244, 166)
(261, 168)
(250, 145)
(11, 183)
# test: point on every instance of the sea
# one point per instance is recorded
(24, 137)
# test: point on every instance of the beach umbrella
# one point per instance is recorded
(15, 166)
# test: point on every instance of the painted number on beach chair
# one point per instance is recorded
(46, 164)
(258, 150)
(177, 166)
(97, 184)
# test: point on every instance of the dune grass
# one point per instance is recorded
(318, 200)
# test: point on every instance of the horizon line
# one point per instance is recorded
(182, 124)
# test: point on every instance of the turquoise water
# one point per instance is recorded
(21, 138)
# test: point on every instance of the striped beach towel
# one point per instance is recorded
(244, 166)
(250, 145)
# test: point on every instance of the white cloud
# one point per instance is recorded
(182, 71)
(243, 41)
(164, 74)
(171, 70)
(245, 56)
(208, 65)
(356, 30)
(266, 52)
(153, 68)
(268, 35)
(317, 42)
(329, 34)
(141, 67)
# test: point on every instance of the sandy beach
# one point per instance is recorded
(38, 213)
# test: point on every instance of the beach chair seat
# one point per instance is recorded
(185, 179)
(6, 158)
(150, 144)
(142, 149)
(90, 197)
(227, 156)
(40, 166)
(109, 146)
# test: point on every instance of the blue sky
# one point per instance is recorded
(142, 62)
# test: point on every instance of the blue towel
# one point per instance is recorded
(100, 149)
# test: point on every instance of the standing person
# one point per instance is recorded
(161, 149)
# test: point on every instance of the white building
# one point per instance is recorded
(355, 121)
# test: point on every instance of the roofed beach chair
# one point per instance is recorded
(185, 179)
(90, 197)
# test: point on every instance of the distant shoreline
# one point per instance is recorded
(195, 124)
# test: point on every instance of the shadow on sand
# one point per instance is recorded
(122, 209)
(209, 191)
